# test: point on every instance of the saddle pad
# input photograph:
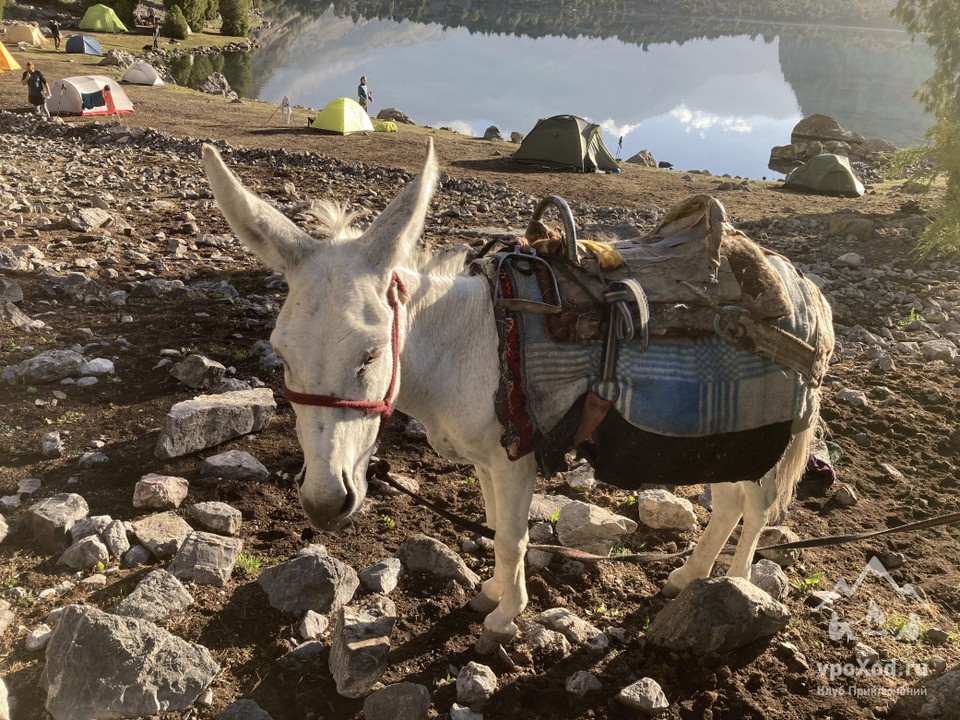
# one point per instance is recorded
(688, 387)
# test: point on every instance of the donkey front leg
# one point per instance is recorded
(505, 594)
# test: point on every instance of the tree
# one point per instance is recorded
(236, 17)
(938, 22)
(176, 25)
(194, 11)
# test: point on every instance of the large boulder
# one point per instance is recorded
(395, 115)
(823, 128)
(106, 666)
(208, 420)
(717, 615)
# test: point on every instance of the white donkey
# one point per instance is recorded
(371, 323)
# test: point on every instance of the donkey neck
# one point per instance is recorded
(449, 343)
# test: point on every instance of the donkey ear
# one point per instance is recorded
(265, 230)
(393, 236)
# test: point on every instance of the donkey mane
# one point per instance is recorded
(334, 222)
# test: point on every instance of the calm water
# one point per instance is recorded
(700, 101)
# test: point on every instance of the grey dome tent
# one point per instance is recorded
(566, 141)
(826, 174)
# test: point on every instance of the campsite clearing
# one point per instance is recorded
(770, 681)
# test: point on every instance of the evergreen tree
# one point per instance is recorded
(938, 22)
(236, 17)
(175, 25)
(194, 11)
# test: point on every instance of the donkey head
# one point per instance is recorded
(335, 332)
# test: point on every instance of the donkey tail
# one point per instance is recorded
(792, 466)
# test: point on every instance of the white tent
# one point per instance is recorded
(88, 95)
(29, 34)
(142, 73)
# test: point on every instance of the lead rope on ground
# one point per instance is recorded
(381, 471)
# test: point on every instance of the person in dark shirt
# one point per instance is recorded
(37, 89)
(55, 34)
(364, 93)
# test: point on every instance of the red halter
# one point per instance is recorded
(396, 296)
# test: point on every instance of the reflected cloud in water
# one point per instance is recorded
(710, 104)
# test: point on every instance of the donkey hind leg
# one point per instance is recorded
(506, 592)
(725, 516)
(768, 501)
(756, 503)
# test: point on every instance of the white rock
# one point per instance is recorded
(645, 695)
(37, 638)
(662, 510)
(581, 682)
(476, 684)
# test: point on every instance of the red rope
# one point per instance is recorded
(396, 296)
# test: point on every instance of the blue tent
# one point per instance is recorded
(83, 44)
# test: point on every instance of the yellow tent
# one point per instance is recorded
(342, 116)
(102, 19)
(29, 34)
(6, 60)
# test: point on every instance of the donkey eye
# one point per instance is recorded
(368, 359)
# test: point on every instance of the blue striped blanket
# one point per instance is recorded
(679, 386)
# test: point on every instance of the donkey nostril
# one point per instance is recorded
(349, 501)
(301, 476)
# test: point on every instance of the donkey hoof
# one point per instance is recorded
(482, 604)
(489, 641)
(670, 590)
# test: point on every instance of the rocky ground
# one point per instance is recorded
(112, 240)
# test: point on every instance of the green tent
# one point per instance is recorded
(102, 19)
(342, 116)
(566, 141)
(826, 174)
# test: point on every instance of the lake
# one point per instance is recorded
(701, 95)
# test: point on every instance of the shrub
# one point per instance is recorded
(236, 17)
(194, 11)
(175, 25)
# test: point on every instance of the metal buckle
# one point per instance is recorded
(717, 320)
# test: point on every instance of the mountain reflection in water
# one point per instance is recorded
(701, 95)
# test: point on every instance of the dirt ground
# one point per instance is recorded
(434, 637)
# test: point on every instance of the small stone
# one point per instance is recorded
(581, 682)
(51, 445)
(37, 638)
(846, 496)
(383, 576)
(645, 695)
(476, 683)
(160, 492)
(313, 625)
(864, 654)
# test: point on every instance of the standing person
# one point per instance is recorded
(364, 93)
(156, 33)
(108, 100)
(55, 34)
(37, 89)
